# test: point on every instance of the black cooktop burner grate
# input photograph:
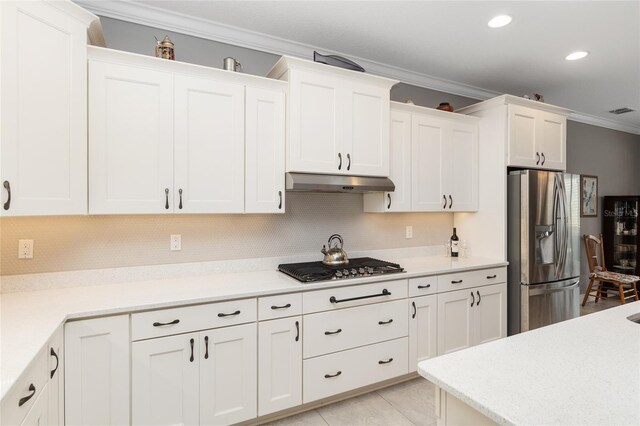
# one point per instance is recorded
(359, 267)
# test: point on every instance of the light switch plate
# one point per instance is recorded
(409, 232)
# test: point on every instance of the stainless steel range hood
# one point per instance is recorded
(312, 182)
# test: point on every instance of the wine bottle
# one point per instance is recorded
(454, 244)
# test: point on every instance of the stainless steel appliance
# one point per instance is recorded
(543, 239)
(308, 272)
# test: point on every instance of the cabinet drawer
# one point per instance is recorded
(165, 322)
(345, 297)
(462, 280)
(284, 305)
(343, 371)
(335, 331)
(423, 286)
(36, 375)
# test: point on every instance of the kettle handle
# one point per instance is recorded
(335, 237)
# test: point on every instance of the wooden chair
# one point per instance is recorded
(623, 285)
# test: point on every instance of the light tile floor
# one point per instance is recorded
(408, 403)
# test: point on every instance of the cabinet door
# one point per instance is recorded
(315, 126)
(55, 351)
(209, 146)
(490, 313)
(164, 380)
(228, 374)
(399, 163)
(422, 329)
(462, 185)
(39, 413)
(97, 371)
(366, 130)
(428, 164)
(279, 364)
(552, 140)
(43, 111)
(455, 329)
(130, 139)
(523, 129)
(265, 152)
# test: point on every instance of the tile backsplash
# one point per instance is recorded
(94, 242)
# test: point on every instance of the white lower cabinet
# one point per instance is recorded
(97, 371)
(471, 316)
(165, 378)
(39, 413)
(205, 378)
(423, 317)
(279, 364)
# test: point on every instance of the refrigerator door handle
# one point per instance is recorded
(546, 289)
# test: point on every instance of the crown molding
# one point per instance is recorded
(137, 13)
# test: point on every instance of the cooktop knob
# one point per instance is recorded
(354, 271)
(361, 271)
(345, 272)
(338, 274)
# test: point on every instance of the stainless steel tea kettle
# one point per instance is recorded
(335, 256)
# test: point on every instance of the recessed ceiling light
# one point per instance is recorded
(576, 55)
(499, 21)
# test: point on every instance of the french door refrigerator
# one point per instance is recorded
(543, 246)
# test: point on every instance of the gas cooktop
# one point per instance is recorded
(309, 272)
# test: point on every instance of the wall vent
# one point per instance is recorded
(621, 110)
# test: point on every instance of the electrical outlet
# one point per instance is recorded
(409, 232)
(25, 249)
(176, 242)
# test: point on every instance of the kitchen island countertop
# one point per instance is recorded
(582, 371)
(28, 319)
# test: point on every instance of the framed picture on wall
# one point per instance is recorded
(589, 196)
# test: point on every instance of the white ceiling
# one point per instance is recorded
(450, 40)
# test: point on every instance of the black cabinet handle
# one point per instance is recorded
(166, 198)
(280, 203)
(479, 298)
(327, 376)
(385, 322)
(55, 355)
(385, 292)
(7, 186)
(456, 282)
(206, 347)
(340, 164)
(415, 310)
(229, 315)
(389, 197)
(543, 159)
(162, 324)
(473, 299)
(191, 342)
(297, 331)
(424, 286)
(328, 333)
(538, 156)
(349, 164)
(385, 362)
(490, 277)
(180, 203)
(274, 307)
(22, 401)
(445, 201)
(450, 201)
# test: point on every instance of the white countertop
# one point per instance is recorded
(582, 371)
(28, 319)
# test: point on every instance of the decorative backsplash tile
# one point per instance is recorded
(95, 242)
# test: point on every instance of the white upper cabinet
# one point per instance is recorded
(169, 137)
(553, 143)
(265, 154)
(434, 162)
(522, 137)
(338, 120)
(43, 137)
(208, 146)
(130, 139)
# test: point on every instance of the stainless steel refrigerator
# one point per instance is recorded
(543, 239)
